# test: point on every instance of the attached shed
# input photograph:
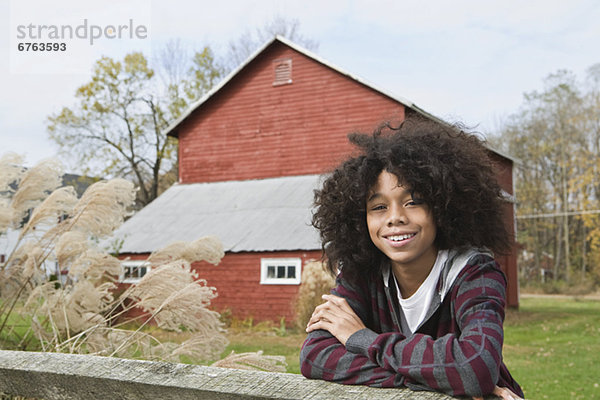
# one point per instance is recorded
(250, 155)
(265, 229)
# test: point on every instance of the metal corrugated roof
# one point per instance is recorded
(8, 241)
(255, 215)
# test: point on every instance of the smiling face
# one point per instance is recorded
(401, 227)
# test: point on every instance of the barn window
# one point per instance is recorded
(283, 72)
(133, 271)
(280, 271)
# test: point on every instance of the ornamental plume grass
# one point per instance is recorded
(10, 175)
(200, 346)
(35, 185)
(175, 297)
(208, 248)
(85, 312)
(11, 165)
(69, 246)
(21, 267)
(6, 215)
(59, 203)
(316, 281)
(103, 207)
(70, 310)
(253, 361)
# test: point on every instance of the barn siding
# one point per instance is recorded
(504, 173)
(237, 280)
(251, 129)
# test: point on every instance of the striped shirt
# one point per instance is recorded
(456, 350)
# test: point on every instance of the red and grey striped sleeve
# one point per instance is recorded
(324, 357)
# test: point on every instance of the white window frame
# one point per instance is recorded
(265, 263)
(133, 264)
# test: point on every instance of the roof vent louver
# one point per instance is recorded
(283, 72)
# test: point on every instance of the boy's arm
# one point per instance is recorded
(324, 357)
(458, 365)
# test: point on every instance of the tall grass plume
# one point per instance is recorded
(66, 288)
(316, 281)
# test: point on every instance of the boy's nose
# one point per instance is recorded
(396, 216)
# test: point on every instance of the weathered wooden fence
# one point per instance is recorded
(54, 376)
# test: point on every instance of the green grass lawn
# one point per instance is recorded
(271, 341)
(552, 347)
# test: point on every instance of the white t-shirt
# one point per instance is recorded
(416, 306)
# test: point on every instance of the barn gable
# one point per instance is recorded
(255, 125)
(173, 128)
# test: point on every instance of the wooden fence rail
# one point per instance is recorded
(55, 376)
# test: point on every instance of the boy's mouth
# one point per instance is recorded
(400, 238)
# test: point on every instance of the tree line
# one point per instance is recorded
(555, 138)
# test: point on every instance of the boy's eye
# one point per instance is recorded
(414, 202)
(378, 207)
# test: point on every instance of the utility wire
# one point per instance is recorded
(559, 214)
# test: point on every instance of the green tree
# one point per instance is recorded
(116, 127)
(186, 77)
(588, 180)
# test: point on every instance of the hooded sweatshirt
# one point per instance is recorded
(456, 349)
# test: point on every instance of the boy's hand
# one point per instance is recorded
(503, 393)
(336, 317)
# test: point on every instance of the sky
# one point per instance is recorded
(461, 60)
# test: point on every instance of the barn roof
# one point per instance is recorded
(255, 215)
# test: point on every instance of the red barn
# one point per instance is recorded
(250, 155)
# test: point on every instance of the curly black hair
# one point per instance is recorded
(449, 169)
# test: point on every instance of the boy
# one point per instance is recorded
(410, 225)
